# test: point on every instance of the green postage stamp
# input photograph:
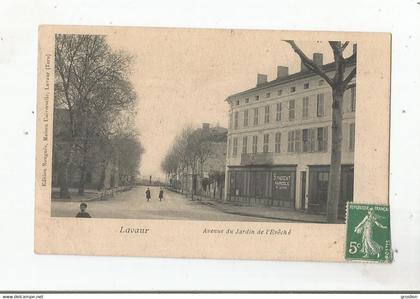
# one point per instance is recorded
(368, 233)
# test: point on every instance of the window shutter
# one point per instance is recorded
(312, 140)
(326, 139)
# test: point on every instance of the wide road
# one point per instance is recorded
(133, 205)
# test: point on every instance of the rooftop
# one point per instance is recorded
(212, 134)
(290, 78)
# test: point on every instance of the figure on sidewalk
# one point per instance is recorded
(161, 194)
(148, 196)
(83, 213)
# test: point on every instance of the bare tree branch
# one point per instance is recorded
(340, 63)
(351, 58)
(349, 77)
(336, 47)
(350, 86)
(344, 46)
(308, 62)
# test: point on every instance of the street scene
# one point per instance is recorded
(133, 204)
(133, 139)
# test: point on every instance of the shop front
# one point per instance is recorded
(318, 188)
(259, 185)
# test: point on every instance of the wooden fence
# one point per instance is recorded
(109, 193)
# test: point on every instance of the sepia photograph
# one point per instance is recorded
(194, 137)
(209, 148)
(180, 126)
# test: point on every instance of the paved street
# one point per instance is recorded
(133, 205)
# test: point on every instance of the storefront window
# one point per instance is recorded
(239, 183)
(278, 185)
(251, 183)
(232, 182)
(283, 186)
(261, 180)
(318, 189)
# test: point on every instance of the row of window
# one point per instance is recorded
(291, 111)
(302, 140)
(280, 92)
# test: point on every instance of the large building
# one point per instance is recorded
(279, 141)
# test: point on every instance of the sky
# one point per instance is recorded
(183, 76)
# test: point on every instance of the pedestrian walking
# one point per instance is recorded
(161, 194)
(83, 213)
(148, 196)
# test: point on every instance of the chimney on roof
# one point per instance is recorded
(282, 71)
(261, 79)
(318, 59)
(206, 126)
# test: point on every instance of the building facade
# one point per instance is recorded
(208, 177)
(279, 141)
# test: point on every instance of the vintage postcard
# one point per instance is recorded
(205, 143)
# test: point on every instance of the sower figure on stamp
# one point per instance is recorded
(365, 227)
(148, 196)
(161, 194)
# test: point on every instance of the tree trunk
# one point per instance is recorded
(64, 174)
(193, 182)
(192, 185)
(107, 176)
(81, 190)
(102, 179)
(335, 166)
(63, 181)
(116, 173)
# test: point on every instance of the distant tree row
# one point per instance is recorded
(94, 111)
(188, 153)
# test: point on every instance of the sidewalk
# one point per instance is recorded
(263, 212)
(90, 194)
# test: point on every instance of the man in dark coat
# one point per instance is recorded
(148, 196)
(160, 194)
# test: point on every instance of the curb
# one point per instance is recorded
(256, 215)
